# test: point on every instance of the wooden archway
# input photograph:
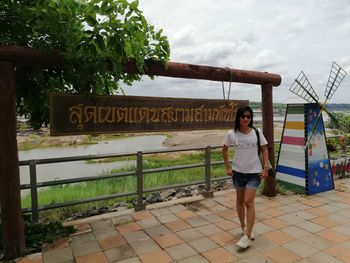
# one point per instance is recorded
(11, 56)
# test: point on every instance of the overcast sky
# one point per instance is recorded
(277, 36)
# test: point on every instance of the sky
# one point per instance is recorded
(276, 36)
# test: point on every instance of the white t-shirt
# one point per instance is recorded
(245, 159)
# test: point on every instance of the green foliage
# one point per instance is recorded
(340, 121)
(96, 38)
(38, 234)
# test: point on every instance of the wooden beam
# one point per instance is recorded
(32, 57)
(10, 194)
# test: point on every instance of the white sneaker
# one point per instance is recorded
(244, 242)
(252, 237)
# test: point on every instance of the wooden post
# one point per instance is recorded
(268, 129)
(10, 195)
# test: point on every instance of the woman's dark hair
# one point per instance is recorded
(240, 112)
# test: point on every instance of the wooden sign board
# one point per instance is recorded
(76, 114)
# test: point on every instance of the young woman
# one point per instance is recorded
(247, 170)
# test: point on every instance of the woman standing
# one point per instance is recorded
(246, 170)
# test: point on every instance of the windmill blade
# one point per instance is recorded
(336, 76)
(302, 88)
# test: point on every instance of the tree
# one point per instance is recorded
(88, 33)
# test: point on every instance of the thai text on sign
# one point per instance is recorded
(75, 114)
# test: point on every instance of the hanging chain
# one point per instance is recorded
(229, 87)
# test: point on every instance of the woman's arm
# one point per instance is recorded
(266, 167)
(225, 157)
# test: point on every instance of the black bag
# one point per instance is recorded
(271, 170)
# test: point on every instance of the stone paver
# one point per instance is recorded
(292, 228)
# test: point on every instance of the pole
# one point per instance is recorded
(10, 193)
(268, 130)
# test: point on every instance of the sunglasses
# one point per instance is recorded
(246, 116)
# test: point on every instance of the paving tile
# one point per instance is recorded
(223, 238)
(208, 230)
(318, 211)
(262, 244)
(193, 259)
(338, 218)
(141, 242)
(317, 242)
(217, 208)
(227, 213)
(157, 231)
(186, 214)
(110, 242)
(275, 223)
(130, 260)
(203, 244)
(119, 253)
(60, 243)
(197, 221)
(323, 221)
(320, 257)
(129, 227)
(213, 218)
(229, 204)
(280, 254)
(121, 220)
(181, 251)
(340, 253)
(189, 234)
(259, 216)
(278, 237)
(86, 248)
(300, 248)
(63, 254)
(141, 215)
(177, 208)
(105, 233)
(160, 211)
(295, 232)
(288, 208)
(312, 203)
(330, 208)
(101, 225)
(167, 218)
(245, 255)
(219, 255)
(310, 227)
(260, 228)
(168, 240)
(148, 223)
(333, 236)
(97, 257)
(33, 258)
(227, 225)
(177, 225)
(274, 212)
(344, 229)
(158, 256)
(86, 237)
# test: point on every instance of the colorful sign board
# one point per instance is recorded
(300, 165)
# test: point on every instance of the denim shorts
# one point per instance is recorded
(245, 181)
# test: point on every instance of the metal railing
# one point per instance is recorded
(139, 172)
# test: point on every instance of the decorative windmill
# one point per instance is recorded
(303, 160)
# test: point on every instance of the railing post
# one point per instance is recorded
(140, 205)
(33, 191)
(207, 192)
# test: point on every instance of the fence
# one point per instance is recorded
(139, 172)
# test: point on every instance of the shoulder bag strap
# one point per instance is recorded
(258, 137)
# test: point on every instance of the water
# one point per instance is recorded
(67, 170)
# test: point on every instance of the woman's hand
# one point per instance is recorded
(229, 171)
(264, 174)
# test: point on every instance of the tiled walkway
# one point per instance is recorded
(290, 228)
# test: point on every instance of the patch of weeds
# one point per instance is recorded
(40, 233)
